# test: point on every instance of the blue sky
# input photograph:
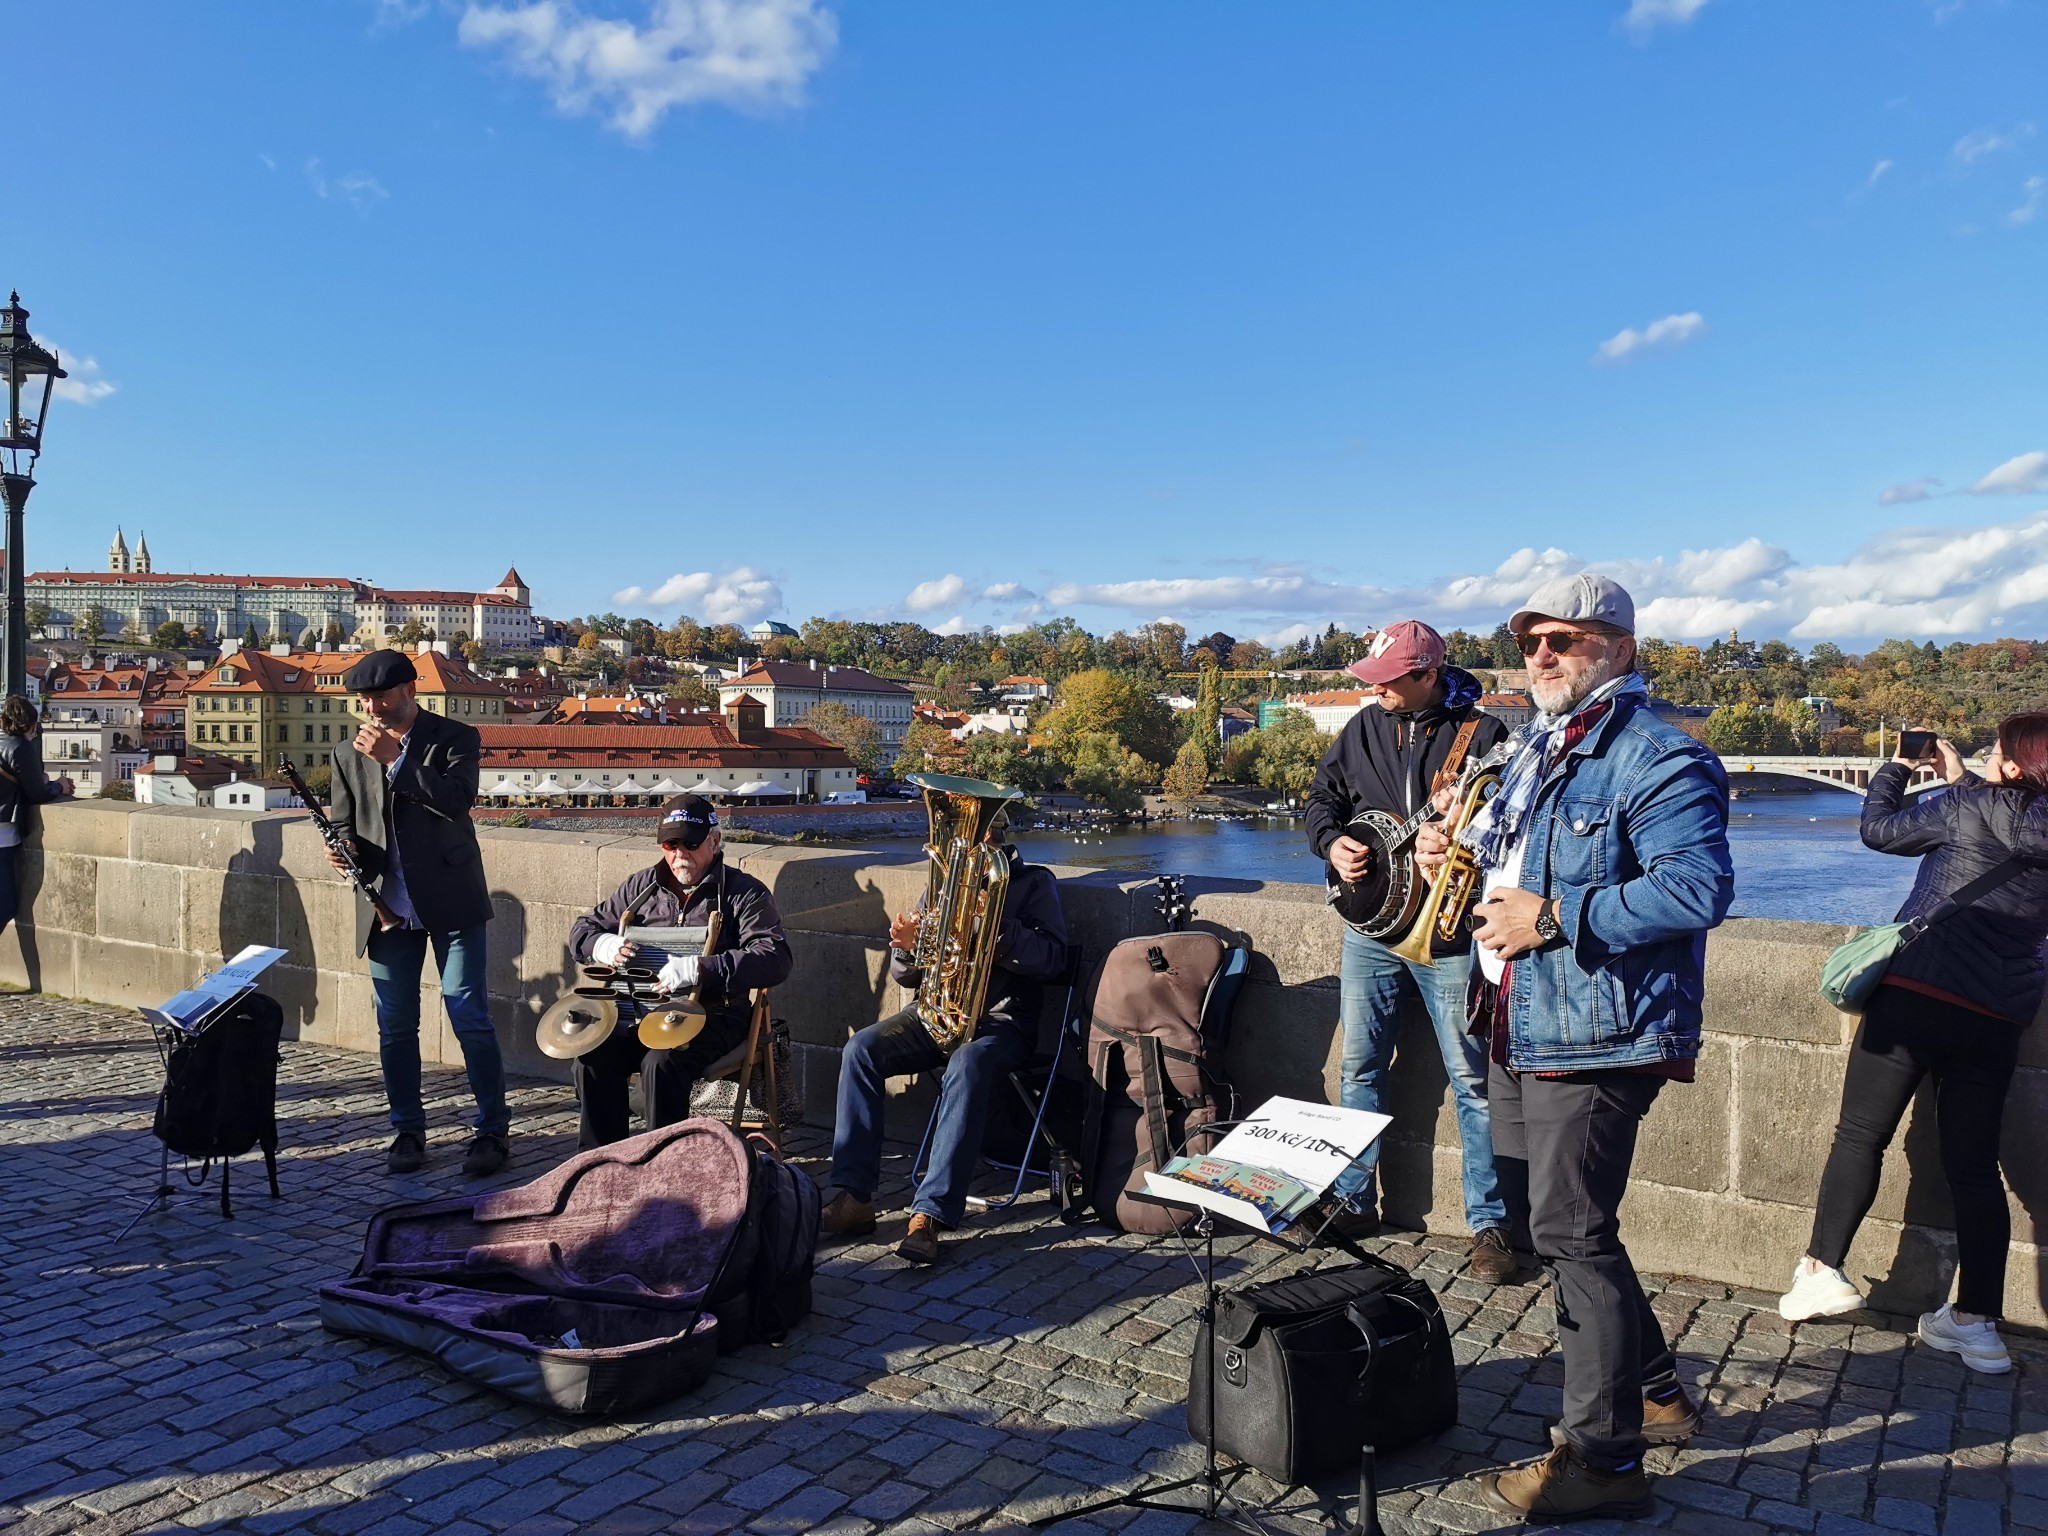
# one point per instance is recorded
(1250, 317)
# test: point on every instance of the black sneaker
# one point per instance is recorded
(407, 1153)
(487, 1154)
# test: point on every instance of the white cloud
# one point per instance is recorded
(1646, 16)
(1908, 490)
(943, 593)
(956, 625)
(1009, 592)
(1978, 143)
(1671, 331)
(360, 190)
(2026, 475)
(739, 596)
(87, 385)
(2034, 196)
(1876, 175)
(1941, 583)
(739, 53)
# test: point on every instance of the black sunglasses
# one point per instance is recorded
(689, 834)
(1562, 644)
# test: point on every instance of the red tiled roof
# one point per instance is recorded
(1340, 696)
(1507, 700)
(132, 578)
(800, 674)
(512, 578)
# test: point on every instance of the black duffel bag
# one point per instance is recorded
(1311, 1369)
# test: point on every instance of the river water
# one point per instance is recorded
(1796, 855)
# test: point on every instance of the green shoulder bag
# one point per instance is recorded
(1854, 967)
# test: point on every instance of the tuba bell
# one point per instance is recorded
(966, 881)
(1458, 881)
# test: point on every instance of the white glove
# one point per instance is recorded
(606, 950)
(680, 973)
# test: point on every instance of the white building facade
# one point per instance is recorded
(789, 690)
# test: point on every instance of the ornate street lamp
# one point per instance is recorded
(31, 372)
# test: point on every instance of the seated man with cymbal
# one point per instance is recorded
(1030, 951)
(689, 883)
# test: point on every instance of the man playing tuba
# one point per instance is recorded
(1030, 950)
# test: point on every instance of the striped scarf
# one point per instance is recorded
(1494, 830)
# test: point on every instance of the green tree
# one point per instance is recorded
(38, 617)
(170, 636)
(691, 692)
(94, 621)
(928, 748)
(854, 734)
(1188, 779)
(1100, 701)
(1745, 729)
(1208, 721)
(1288, 751)
(1003, 757)
(334, 633)
(1104, 770)
(250, 638)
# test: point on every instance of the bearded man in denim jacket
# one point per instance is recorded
(1606, 861)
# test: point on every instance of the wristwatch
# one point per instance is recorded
(1546, 922)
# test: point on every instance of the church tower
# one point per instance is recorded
(117, 554)
(142, 566)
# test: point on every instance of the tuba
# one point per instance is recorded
(963, 903)
(1458, 882)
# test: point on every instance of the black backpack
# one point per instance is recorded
(220, 1088)
(783, 1205)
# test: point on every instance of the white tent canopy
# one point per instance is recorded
(505, 787)
(589, 787)
(665, 786)
(760, 787)
(706, 787)
(545, 787)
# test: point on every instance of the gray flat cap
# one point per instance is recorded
(1581, 599)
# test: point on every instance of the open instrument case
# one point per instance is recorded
(612, 1282)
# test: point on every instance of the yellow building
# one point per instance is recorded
(254, 705)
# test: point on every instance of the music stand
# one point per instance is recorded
(1214, 1481)
(181, 1020)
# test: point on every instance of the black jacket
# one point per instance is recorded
(29, 785)
(1030, 951)
(752, 952)
(1990, 952)
(426, 804)
(1383, 762)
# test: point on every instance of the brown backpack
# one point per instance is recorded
(1152, 1083)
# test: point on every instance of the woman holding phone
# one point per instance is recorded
(1951, 1006)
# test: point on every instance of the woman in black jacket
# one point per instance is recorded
(1951, 1006)
(22, 784)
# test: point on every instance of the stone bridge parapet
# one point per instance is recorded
(128, 904)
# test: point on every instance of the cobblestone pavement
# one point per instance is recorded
(180, 1380)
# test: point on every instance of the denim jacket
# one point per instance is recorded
(1630, 833)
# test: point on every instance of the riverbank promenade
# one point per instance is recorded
(179, 1380)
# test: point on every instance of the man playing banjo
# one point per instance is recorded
(1392, 759)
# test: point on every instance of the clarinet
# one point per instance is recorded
(337, 844)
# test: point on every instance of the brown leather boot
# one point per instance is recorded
(1561, 1487)
(1667, 1423)
(846, 1215)
(920, 1244)
(1493, 1259)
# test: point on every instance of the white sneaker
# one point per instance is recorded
(1978, 1343)
(1819, 1291)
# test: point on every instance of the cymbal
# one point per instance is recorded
(574, 1026)
(672, 1026)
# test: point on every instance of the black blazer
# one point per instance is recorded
(426, 804)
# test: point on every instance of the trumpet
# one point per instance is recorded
(1458, 882)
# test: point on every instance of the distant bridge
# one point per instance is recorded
(1850, 773)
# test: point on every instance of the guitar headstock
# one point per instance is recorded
(1172, 903)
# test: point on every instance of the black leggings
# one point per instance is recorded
(1903, 1038)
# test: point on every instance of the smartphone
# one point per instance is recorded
(1916, 746)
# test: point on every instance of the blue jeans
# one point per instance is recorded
(975, 1073)
(1373, 981)
(397, 956)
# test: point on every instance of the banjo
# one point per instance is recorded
(1385, 899)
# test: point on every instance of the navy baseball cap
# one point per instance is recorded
(686, 819)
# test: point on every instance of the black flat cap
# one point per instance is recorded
(380, 670)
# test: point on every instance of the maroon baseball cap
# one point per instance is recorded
(1397, 650)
